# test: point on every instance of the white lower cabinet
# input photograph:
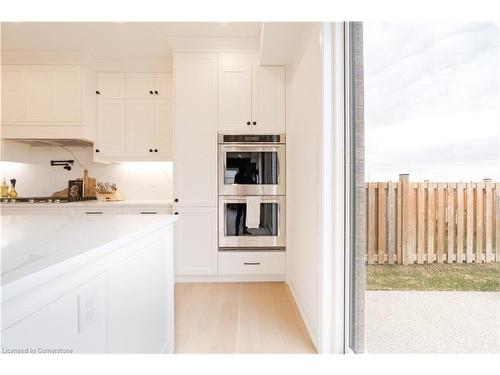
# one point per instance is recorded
(74, 323)
(122, 302)
(140, 303)
(196, 241)
(251, 263)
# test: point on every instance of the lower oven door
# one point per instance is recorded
(234, 233)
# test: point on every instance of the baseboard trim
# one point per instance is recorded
(168, 348)
(227, 278)
(303, 316)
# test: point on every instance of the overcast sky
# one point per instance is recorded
(432, 101)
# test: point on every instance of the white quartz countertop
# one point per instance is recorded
(32, 244)
(96, 203)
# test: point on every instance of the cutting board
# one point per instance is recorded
(89, 184)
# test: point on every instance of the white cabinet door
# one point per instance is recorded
(110, 127)
(14, 94)
(163, 85)
(196, 241)
(235, 98)
(111, 85)
(163, 129)
(75, 321)
(140, 302)
(67, 94)
(140, 85)
(140, 133)
(268, 99)
(195, 151)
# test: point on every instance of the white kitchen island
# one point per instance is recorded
(87, 284)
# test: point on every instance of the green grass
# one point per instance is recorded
(463, 277)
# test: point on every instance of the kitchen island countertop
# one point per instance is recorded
(39, 247)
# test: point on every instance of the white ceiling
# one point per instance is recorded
(116, 40)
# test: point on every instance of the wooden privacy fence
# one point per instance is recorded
(426, 222)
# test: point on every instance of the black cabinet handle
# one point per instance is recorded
(156, 150)
(248, 122)
(176, 213)
(150, 92)
(150, 150)
(254, 123)
(156, 92)
(176, 200)
(97, 150)
(251, 263)
(98, 92)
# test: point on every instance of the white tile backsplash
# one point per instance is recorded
(140, 180)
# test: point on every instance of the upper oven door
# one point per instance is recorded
(252, 169)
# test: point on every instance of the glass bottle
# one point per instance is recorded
(13, 192)
(4, 189)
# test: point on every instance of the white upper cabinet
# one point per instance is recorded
(140, 127)
(148, 85)
(163, 85)
(251, 97)
(41, 94)
(143, 130)
(235, 97)
(110, 128)
(111, 85)
(140, 85)
(195, 158)
(163, 129)
(268, 99)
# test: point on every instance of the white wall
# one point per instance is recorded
(304, 125)
(35, 176)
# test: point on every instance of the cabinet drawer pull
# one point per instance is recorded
(251, 263)
(148, 212)
(94, 212)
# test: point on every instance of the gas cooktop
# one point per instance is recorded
(45, 200)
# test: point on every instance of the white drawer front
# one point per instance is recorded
(251, 263)
(145, 210)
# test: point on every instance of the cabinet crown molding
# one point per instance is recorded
(212, 44)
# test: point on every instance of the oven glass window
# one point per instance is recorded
(236, 220)
(251, 168)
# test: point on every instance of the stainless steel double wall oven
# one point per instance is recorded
(252, 165)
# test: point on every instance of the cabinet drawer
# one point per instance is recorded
(97, 211)
(144, 210)
(251, 263)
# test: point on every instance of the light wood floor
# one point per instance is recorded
(238, 318)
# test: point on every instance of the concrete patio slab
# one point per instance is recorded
(432, 322)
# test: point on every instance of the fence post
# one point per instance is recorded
(404, 183)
